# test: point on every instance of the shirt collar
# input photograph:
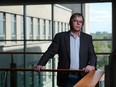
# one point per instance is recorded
(71, 33)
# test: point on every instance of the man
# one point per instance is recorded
(75, 51)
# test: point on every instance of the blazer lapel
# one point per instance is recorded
(67, 40)
(82, 42)
(82, 39)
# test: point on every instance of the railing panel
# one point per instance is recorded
(14, 77)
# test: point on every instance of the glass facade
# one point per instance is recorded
(40, 25)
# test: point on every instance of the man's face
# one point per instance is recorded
(77, 23)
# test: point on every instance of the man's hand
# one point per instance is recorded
(89, 68)
(38, 68)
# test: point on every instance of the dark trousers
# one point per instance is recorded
(73, 79)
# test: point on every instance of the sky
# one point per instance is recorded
(101, 17)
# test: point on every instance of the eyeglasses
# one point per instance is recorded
(80, 22)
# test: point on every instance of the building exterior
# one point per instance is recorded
(39, 33)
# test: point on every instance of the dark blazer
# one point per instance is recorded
(61, 46)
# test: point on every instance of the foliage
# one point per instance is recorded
(102, 42)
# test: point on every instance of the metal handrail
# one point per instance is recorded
(46, 70)
(98, 53)
(21, 52)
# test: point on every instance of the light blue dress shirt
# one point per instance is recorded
(74, 51)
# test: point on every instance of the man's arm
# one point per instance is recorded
(92, 58)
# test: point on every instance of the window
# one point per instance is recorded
(44, 29)
(37, 28)
(49, 30)
(30, 28)
(22, 29)
(99, 25)
(65, 28)
(13, 27)
(2, 27)
(62, 28)
(58, 27)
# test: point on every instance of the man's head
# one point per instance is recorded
(76, 21)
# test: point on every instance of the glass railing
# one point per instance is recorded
(15, 77)
(13, 70)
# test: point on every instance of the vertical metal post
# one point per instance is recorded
(13, 74)
(113, 58)
(53, 75)
(24, 29)
(5, 79)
